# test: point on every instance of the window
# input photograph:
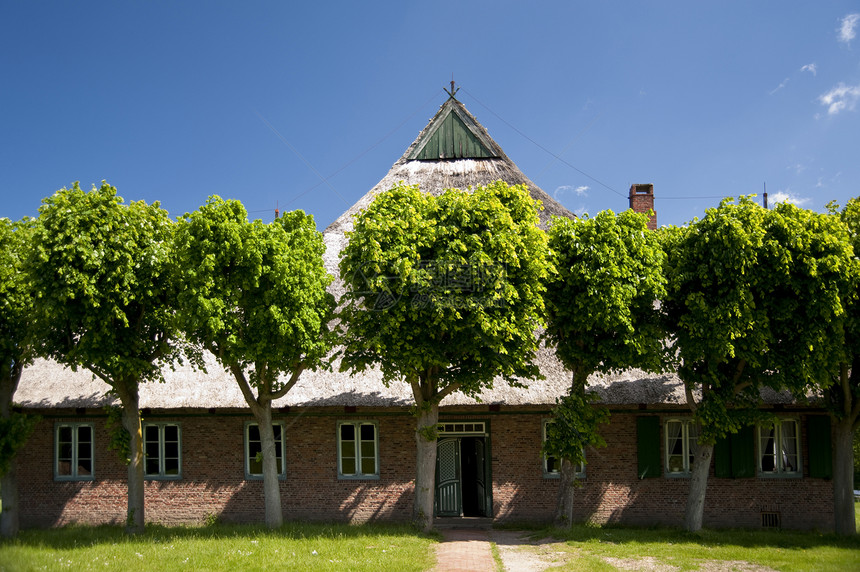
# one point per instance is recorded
(681, 436)
(73, 452)
(552, 465)
(254, 451)
(778, 451)
(161, 451)
(357, 450)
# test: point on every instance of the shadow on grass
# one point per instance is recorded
(73, 536)
(745, 538)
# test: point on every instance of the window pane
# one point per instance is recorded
(255, 467)
(347, 466)
(171, 466)
(767, 449)
(150, 433)
(85, 467)
(347, 432)
(347, 449)
(253, 433)
(151, 465)
(171, 450)
(789, 447)
(368, 432)
(368, 466)
(368, 449)
(151, 449)
(171, 433)
(551, 465)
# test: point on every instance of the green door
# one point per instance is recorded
(448, 493)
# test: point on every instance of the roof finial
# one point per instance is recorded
(454, 90)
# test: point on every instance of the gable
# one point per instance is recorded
(452, 136)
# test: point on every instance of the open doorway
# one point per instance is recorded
(463, 477)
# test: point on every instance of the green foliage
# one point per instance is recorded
(255, 294)
(100, 272)
(753, 299)
(445, 291)
(576, 421)
(119, 439)
(14, 432)
(16, 300)
(601, 302)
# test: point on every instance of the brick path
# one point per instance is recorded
(464, 550)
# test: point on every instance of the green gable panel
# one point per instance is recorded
(648, 446)
(453, 140)
(743, 453)
(820, 448)
(723, 458)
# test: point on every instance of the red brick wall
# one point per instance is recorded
(213, 479)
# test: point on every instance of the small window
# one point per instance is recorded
(358, 450)
(161, 451)
(778, 448)
(74, 452)
(681, 437)
(254, 451)
(552, 465)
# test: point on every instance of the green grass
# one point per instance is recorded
(221, 547)
(777, 549)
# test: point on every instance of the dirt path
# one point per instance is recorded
(520, 553)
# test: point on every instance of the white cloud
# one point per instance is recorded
(840, 98)
(581, 191)
(788, 197)
(811, 68)
(846, 31)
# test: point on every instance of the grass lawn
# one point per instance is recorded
(610, 548)
(221, 547)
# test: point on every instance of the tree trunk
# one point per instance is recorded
(130, 399)
(564, 499)
(425, 479)
(8, 482)
(9, 490)
(271, 485)
(843, 478)
(698, 487)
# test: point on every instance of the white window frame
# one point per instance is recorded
(551, 465)
(780, 443)
(74, 460)
(689, 436)
(280, 451)
(162, 474)
(359, 458)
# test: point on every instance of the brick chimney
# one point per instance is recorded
(642, 201)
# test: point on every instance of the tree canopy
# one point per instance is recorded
(602, 316)
(101, 277)
(446, 294)
(255, 296)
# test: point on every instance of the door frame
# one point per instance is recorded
(457, 429)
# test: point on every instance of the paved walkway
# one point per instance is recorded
(464, 550)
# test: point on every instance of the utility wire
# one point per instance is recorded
(541, 147)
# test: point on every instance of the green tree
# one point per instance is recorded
(843, 390)
(601, 317)
(16, 351)
(444, 293)
(254, 295)
(752, 300)
(101, 276)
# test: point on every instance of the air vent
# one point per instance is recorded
(770, 520)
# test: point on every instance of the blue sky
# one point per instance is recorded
(307, 105)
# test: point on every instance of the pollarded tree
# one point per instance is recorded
(101, 276)
(601, 317)
(444, 293)
(753, 300)
(16, 351)
(842, 391)
(254, 295)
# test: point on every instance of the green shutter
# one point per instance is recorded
(743, 453)
(723, 458)
(648, 437)
(819, 446)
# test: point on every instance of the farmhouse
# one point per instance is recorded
(346, 445)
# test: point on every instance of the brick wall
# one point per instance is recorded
(213, 481)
